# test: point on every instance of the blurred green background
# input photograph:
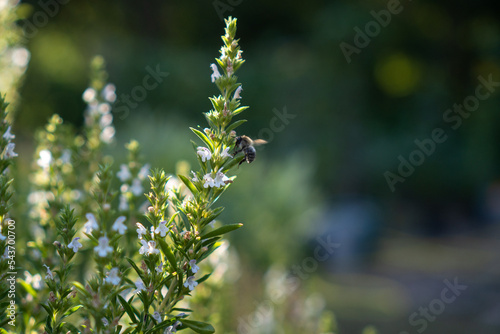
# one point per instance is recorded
(323, 173)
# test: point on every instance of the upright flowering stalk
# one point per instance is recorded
(180, 232)
(104, 228)
(61, 302)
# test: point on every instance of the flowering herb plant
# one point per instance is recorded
(111, 263)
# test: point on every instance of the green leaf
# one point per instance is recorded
(137, 270)
(168, 253)
(204, 278)
(214, 215)
(71, 311)
(221, 230)
(198, 326)
(80, 288)
(71, 328)
(189, 184)
(235, 125)
(210, 241)
(180, 309)
(127, 308)
(239, 110)
(47, 308)
(203, 137)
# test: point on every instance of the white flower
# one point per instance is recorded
(107, 134)
(136, 187)
(157, 316)
(144, 247)
(91, 223)
(209, 181)
(144, 171)
(159, 268)
(148, 248)
(119, 226)
(20, 57)
(104, 109)
(7, 135)
(75, 244)
(238, 92)
(45, 159)
(109, 93)
(220, 180)
(104, 248)
(9, 151)
(225, 153)
(141, 230)
(190, 283)
(152, 248)
(162, 229)
(105, 322)
(34, 280)
(204, 153)
(89, 95)
(123, 206)
(215, 74)
(139, 285)
(194, 178)
(124, 173)
(194, 267)
(49, 273)
(113, 277)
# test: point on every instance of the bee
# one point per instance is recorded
(245, 144)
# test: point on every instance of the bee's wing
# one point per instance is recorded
(258, 142)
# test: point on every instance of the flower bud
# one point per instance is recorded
(106, 206)
(52, 297)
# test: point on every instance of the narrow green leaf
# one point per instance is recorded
(137, 270)
(221, 230)
(239, 110)
(168, 253)
(189, 184)
(47, 308)
(127, 308)
(71, 311)
(210, 241)
(204, 278)
(198, 326)
(235, 125)
(71, 328)
(180, 309)
(203, 137)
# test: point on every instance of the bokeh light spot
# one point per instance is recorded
(397, 75)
